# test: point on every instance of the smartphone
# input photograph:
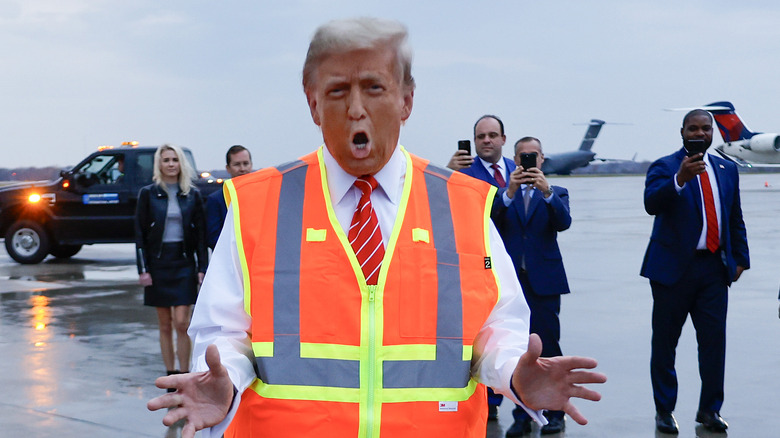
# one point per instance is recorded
(695, 146)
(464, 145)
(528, 160)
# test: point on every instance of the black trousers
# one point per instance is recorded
(702, 293)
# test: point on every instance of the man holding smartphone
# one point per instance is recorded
(697, 248)
(490, 165)
(528, 214)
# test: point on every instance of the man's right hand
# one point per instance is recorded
(204, 398)
(460, 160)
(516, 178)
(689, 168)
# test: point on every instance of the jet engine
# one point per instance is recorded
(760, 143)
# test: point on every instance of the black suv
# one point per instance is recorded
(92, 203)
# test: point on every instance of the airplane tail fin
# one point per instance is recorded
(590, 135)
(730, 125)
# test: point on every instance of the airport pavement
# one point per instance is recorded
(79, 353)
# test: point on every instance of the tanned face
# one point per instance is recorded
(488, 139)
(359, 103)
(240, 164)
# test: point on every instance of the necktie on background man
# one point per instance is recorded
(364, 233)
(713, 235)
(498, 176)
(527, 196)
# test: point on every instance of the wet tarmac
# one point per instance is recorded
(79, 352)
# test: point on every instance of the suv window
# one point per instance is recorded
(101, 169)
(144, 166)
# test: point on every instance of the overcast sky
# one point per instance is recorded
(77, 74)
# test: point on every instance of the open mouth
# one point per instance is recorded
(360, 140)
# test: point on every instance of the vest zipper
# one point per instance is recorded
(371, 359)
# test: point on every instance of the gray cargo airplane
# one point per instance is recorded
(563, 163)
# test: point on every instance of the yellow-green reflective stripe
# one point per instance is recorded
(334, 222)
(330, 351)
(468, 352)
(400, 395)
(301, 392)
(263, 349)
(418, 352)
(487, 221)
(393, 395)
(409, 352)
(231, 189)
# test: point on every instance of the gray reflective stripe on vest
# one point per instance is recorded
(287, 367)
(449, 370)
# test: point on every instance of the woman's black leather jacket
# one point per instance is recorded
(150, 214)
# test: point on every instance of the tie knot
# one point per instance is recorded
(494, 166)
(366, 184)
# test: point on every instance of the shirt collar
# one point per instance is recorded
(388, 177)
(488, 164)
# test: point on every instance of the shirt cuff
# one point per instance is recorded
(677, 187)
(535, 415)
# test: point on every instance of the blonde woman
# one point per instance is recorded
(171, 250)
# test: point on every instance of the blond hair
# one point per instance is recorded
(186, 172)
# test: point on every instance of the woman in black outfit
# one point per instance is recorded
(171, 250)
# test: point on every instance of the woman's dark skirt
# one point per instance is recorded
(174, 278)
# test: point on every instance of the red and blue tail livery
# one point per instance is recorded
(740, 143)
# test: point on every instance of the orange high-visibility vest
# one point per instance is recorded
(336, 357)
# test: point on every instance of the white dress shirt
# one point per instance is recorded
(219, 317)
(715, 197)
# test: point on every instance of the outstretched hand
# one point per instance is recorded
(550, 382)
(202, 398)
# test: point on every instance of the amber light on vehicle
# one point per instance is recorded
(34, 198)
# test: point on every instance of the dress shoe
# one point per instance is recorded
(519, 428)
(711, 421)
(554, 425)
(492, 413)
(665, 422)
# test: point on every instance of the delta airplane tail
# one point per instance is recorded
(729, 124)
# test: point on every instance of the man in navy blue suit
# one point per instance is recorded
(239, 162)
(528, 214)
(697, 248)
(490, 165)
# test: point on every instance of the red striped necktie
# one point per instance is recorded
(364, 233)
(713, 236)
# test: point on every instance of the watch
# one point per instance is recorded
(547, 193)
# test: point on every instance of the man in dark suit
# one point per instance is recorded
(697, 248)
(528, 214)
(490, 165)
(239, 162)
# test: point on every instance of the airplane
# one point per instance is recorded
(742, 145)
(563, 163)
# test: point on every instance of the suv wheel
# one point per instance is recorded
(27, 242)
(64, 251)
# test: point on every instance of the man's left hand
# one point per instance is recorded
(535, 177)
(550, 382)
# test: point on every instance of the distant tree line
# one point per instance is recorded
(52, 173)
(29, 173)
